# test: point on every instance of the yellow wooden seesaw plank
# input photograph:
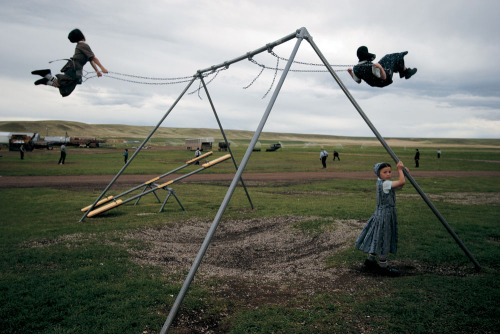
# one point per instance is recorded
(200, 157)
(104, 208)
(165, 184)
(216, 161)
(152, 180)
(102, 201)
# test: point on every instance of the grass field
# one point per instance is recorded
(107, 275)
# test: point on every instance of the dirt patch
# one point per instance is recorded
(267, 250)
(99, 182)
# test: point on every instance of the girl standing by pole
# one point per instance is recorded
(380, 234)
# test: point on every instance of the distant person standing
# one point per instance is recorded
(197, 153)
(336, 155)
(322, 156)
(125, 155)
(63, 155)
(417, 158)
(439, 154)
(21, 151)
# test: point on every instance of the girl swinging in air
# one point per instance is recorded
(72, 71)
(379, 74)
(380, 234)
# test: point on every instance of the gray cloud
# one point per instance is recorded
(450, 42)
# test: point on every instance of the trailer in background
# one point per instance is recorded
(204, 144)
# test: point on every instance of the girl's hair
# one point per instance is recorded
(76, 36)
(379, 166)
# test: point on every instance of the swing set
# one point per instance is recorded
(300, 35)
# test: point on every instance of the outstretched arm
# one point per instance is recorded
(95, 62)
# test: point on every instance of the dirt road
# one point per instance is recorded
(101, 181)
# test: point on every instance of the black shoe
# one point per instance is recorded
(371, 265)
(41, 72)
(42, 81)
(410, 72)
(388, 271)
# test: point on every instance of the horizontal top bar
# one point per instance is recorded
(250, 54)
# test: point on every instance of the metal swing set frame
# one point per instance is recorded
(301, 35)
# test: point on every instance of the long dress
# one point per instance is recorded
(72, 71)
(380, 234)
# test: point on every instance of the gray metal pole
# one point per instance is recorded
(138, 149)
(225, 138)
(175, 307)
(393, 156)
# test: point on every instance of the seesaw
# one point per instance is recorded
(114, 201)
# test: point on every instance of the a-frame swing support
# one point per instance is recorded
(199, 75)
(300, 34)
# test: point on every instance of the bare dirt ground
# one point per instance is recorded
(99, 182)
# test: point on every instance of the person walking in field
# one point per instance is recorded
(125, 155)
(322, 156)
(21, 151)
(379, 237)
(336, 155)
(197, 153)
(62, 158)
(417, 158)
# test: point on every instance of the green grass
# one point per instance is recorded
(61, 276)
(288, 159)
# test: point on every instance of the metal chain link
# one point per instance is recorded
(258, 75)
(276, 69)
(310, 64)
(172, 81)
(208, 82)
(150, 78)
(113, 75)
(274, 78)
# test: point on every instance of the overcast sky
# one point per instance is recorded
(454, 44)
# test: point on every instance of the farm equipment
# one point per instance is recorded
(26, 140)
(273, 147)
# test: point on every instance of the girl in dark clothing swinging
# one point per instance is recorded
(379, 74)
(71, 72)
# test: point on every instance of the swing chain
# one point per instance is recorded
(149, 78)
(310, 64)
(114, 75)
(206, 75)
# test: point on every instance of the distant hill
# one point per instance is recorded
(119, 131)
(107, 131)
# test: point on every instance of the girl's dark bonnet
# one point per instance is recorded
(363, 54)
(76, 36)
(379, 166)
